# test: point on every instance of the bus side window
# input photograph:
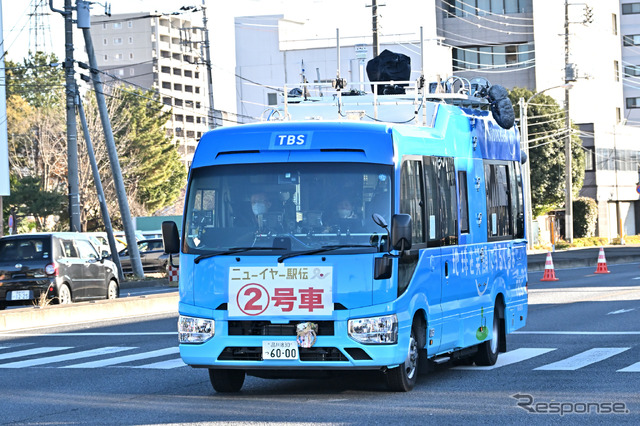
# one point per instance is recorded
(431, 200)
(498, 203)
(411, 197)
(448, 201)
(517, 202)
(464, 202)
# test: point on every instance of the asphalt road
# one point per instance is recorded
(581, 346)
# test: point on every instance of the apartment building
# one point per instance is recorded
(163, 54)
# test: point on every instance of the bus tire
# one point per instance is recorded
(403, 378)
(226, 380)
(488, 350)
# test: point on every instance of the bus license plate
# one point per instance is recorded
(20, 295)
(279, 350)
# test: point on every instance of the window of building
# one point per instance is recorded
(197, 89)
(176, 56)
(117, 25)
(166, 70)
(117, 40)
(178, 102)
(631, 40)
(190, 119)
(166, 85)
(104, 41)
(630, 8)
(106, 58)
(191, 134)
(272, 99)
(165, 54)
(188, 104)
(130, 55)
(166, 100)
(632, 70)
(493, 57)
(179, 117)
(198, 106)
(130, 24)
(117, 56)
(187, 59)
(618, 115)
(177, 86)
(196, 74)
(130, 40)
(198, 120)
(198, 135)
(188, 73)
(120, 72)
(616, 70)
(132, 71)
(169, 133)
(614, 24)
(188, 88)
(588, 159)
(462, 8)
(177, 71)
(104, 25)
(633, 102)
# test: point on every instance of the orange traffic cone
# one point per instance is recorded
(549, 272)
(602, 263)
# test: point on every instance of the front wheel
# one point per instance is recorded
(488, 350)
(112, 290)
(226, 380)
(403, 378)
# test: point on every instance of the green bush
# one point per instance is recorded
(585, 215)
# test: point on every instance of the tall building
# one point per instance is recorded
(163, 54)
(630, 30)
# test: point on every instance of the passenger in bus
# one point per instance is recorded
(288, 209)
(344, 217)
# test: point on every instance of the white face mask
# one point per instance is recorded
(344, 213)
(258, 208)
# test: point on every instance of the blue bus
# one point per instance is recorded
(320, 246)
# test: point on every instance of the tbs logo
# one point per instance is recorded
(291, 140)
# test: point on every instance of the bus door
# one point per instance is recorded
(420, 270)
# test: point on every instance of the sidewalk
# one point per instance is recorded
(584, 257)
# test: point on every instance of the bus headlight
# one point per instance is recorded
(195, 330)
(374, 330)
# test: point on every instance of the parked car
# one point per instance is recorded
(64, 266)
(151, 256)
(101, 241)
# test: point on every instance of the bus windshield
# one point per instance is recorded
(286, 206)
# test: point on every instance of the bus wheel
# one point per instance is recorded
(488, 350)
(403, 378)
(226, 380)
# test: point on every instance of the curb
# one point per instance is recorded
(56, 315)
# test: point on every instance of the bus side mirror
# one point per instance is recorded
(401, 232)
(170, 238)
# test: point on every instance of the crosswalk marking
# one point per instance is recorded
(582, 359)
(634, 368)
(34, 351)
(125, 358)
(165, 365)
(65, 357)
(510, 357)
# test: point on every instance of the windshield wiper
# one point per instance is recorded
(233, 250)
(321, 250)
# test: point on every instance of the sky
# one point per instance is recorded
(321, 16)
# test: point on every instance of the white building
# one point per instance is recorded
(160, 53)
(514, 43)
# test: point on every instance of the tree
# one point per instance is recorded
(546, 127)
(29, 199)
(39, 80)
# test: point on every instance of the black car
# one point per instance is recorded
(65, 266)
(151, 256)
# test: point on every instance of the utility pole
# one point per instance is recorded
(123, 202)
(72, 135)
(4, 139)
(207, 51)
(374, 17)
(569, 76)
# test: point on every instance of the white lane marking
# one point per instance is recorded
(125, 358)
(633, 368)
(508, 358)
(164, 365)
(582, 359)
(66, 357)
(621, 311)
(585, 333)
(151, 333)
(34, 351)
